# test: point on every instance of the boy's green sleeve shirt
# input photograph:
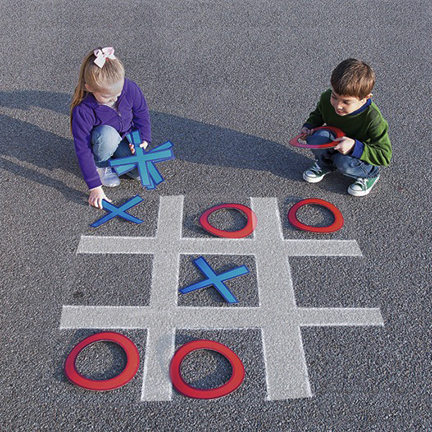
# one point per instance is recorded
(315, 117)
(368, 127)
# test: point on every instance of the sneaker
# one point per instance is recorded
(315, 174)
(108, 177)
(134, 175)
(362, 186)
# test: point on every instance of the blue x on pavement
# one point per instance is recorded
(144, 161)
(216, 280)
(119, 211)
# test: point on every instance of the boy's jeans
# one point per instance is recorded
(333, 160)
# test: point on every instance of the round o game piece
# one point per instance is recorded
(237, 377)
(244, 232)
(110, 384)
(338, 132)
(335, 226)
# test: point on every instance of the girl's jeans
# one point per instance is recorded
(333, 160)
(107, 143)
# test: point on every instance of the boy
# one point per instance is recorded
(348, 106)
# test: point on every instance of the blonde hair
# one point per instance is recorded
(95, 77)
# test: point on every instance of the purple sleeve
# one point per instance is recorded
(82, 125)
(141, 115)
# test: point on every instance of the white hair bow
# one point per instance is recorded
(102, 54)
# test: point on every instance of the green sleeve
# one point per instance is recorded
(315, 117)
(377, 150)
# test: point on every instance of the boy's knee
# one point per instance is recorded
(321, 136)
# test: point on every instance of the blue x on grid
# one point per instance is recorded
(144, 161)
(119, 211)
(216, 280)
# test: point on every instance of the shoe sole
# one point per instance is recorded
(313, 179)
(111, 185)
(358, 193)
(137, 178)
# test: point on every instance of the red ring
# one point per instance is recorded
(244, 232)
(335, 226)
(110, 384)
(338, 132)
(182, 387)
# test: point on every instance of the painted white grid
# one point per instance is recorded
(278, 316)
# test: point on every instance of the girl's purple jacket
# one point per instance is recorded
(132, 113)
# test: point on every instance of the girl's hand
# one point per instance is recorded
(306, 131)
(144, 145)
(96, 197)
(345, 145)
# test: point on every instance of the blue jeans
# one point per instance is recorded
(333, 160)
(108, 144)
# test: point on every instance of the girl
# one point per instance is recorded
(105, 107)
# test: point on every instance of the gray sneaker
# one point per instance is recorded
(108, 177)
(134, 174)
(362, 186)
(315, 174)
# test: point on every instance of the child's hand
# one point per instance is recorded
(144, 145)
(96, 197)
(345, 145)
(306, 131)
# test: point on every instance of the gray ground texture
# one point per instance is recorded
(229, 83)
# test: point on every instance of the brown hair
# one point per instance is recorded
(353, 78)
(95, 77)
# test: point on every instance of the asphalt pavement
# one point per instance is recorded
(229, 84)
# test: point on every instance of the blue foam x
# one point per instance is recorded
(119, 211)
(216, 280)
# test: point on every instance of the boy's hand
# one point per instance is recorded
(144, 145)
(96, 197)
(345, 145)
(306, 131)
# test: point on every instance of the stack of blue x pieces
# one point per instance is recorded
(144, 161)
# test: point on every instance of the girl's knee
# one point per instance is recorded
(105, 135)
(105, 140)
